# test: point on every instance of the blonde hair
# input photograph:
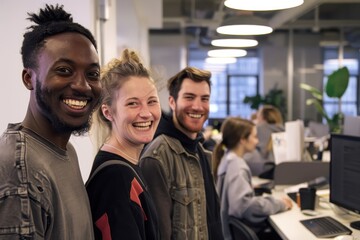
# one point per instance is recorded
(271, 115)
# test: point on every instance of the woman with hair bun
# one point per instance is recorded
(122, 208)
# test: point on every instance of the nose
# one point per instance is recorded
(145, 112)
(80, 83)
(197, 104)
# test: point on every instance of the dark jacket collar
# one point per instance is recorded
(167, 127)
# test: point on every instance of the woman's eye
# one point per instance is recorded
(153, 102)
(132, 104)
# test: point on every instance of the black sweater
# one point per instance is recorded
(120, 204)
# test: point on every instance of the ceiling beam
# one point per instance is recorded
(309, 24)
(290, 15)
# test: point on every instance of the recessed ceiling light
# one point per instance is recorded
(220, 60)
(227, 53)
(232, 42)
(244, 25)
(262, 5)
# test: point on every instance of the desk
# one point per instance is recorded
(288, 226)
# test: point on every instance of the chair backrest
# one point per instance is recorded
(290, 173)
(239, 231)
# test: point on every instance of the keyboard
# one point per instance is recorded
(325, 227)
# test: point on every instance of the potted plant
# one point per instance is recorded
(274, 97)
(335, 87)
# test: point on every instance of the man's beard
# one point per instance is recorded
(57, 124)
(180, 116)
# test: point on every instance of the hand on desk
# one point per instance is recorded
(288, 202)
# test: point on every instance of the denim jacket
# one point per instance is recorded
(175, 181)
(42, 195)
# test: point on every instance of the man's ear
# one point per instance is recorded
(172, 103)
(26, 78)
(106, 112)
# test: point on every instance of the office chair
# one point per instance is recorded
(239, 231)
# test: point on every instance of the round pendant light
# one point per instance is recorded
(227, 53)
(220, 60)
(244, 25)
(234, 42)
(262, 5)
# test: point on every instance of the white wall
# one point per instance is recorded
(134, 18)
(168, 56)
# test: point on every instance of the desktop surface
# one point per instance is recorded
(288, 225)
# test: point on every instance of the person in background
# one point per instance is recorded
(261, 160)
(234, 179)
(209, 142)
(42, 194)
(269, 120)
(176, 165)
(121, 206)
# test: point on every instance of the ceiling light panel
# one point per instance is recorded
(244, 25)
(229, 42)
(262, 5)
(227, 53)
(244, 30)
(220, 60)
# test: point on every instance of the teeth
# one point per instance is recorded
(195, 115)
(142, 124)
(77, 104)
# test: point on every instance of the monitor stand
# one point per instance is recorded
(355, 224)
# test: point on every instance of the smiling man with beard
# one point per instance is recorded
(42, 195)
(177, 167)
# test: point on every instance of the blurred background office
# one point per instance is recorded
(307, 43)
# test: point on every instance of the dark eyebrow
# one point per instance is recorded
(71, 62)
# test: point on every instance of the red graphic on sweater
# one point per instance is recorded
(103, 224)
(135, 192)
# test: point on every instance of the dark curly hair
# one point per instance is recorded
(51, 20)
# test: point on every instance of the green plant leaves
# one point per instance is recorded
(255, 101)
(337, 83)
(314, 91)
(275, 97)
(318, 105)
(336, 86)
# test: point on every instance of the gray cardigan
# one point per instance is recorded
(237, 195)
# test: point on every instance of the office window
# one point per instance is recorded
(350, 99)
(230, 84)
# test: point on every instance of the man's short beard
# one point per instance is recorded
(57, 124)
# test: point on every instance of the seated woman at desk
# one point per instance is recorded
(234, 179)
(268, 121)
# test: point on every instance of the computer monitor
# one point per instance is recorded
(288, 146)
(351, 125)
(345, 173)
